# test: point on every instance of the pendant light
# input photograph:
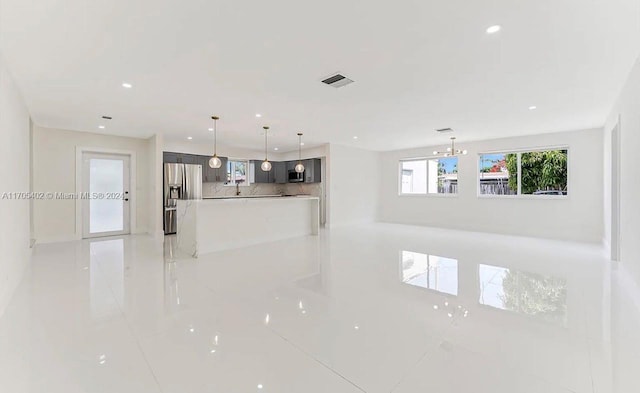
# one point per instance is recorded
(215, 161)
(299, 167)
(451, 151)
(266, 165)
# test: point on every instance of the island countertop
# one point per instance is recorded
(216, 224)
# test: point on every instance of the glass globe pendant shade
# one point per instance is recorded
(299, 167)
(265, 166)
(215, 162)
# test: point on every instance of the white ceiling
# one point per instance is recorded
(418, 65)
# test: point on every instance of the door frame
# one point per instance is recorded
(616, 147)
(80, 150)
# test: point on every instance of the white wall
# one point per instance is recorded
(578, 217)
(14, 214)
(353, 185)
(155, 207)
(54, 166)
(223, 151)
(627, 109)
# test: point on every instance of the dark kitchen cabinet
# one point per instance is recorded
(261, 176)
(208, 173)
(277, 174)
(291, 165)
(214, 175)
(221, 173)
(191, 159)
(169, 157)
(280, 172)
(312, 171)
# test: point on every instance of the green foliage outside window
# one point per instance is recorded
(541, 171)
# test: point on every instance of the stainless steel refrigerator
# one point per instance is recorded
(181, 181)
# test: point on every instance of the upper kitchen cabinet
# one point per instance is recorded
(280, 172)
(312, 170)
(169, 157)
(277, 174)
(291, 165)
(191, 159)
(261, 176)
(208, 173)
(214, 175)
(221, 173)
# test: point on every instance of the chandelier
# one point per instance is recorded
(451, 151)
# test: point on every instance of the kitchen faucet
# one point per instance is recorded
(237, 189)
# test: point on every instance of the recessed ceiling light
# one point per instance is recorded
(259, 386)
(533, 108)
(301, 143)
(275, 148)
(189, 137)
(355, 137)
(127, 85)
(101, 127)
(493, 29)
(210, 129)
(258, 115)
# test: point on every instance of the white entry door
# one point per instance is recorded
(105, 187)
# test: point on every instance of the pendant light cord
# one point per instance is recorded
(215, 135)
(266, 154)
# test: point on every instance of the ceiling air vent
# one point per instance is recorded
(337, 80)
(444, 130)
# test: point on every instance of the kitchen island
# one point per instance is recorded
(218, 224)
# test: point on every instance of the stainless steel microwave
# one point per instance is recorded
(295, 177)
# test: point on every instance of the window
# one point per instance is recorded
(429, 176)
(542, 172)
(237, 172)
(414, 177)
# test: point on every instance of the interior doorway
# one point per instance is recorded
(106, 181)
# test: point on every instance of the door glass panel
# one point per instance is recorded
(106, 180)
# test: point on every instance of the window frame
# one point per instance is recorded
(426, 194)
(248, 173)
(519, 152)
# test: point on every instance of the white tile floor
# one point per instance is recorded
(376, 308)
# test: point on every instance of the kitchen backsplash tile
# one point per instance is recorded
(219, 190)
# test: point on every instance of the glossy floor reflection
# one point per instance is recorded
(376, 308)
